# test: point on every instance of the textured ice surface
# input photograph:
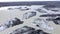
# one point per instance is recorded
(29, 13)
(40, 10)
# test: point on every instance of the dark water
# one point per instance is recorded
(56, 3)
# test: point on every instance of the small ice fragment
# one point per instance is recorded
(29, 15)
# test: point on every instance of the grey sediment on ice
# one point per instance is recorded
(36, 32)
(28, 30)
(12, 22)
(22, 30)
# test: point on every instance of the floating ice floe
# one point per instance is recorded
(12, 22)
(49, 15)
(56, 20)
(52, 17)
(42, 24)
